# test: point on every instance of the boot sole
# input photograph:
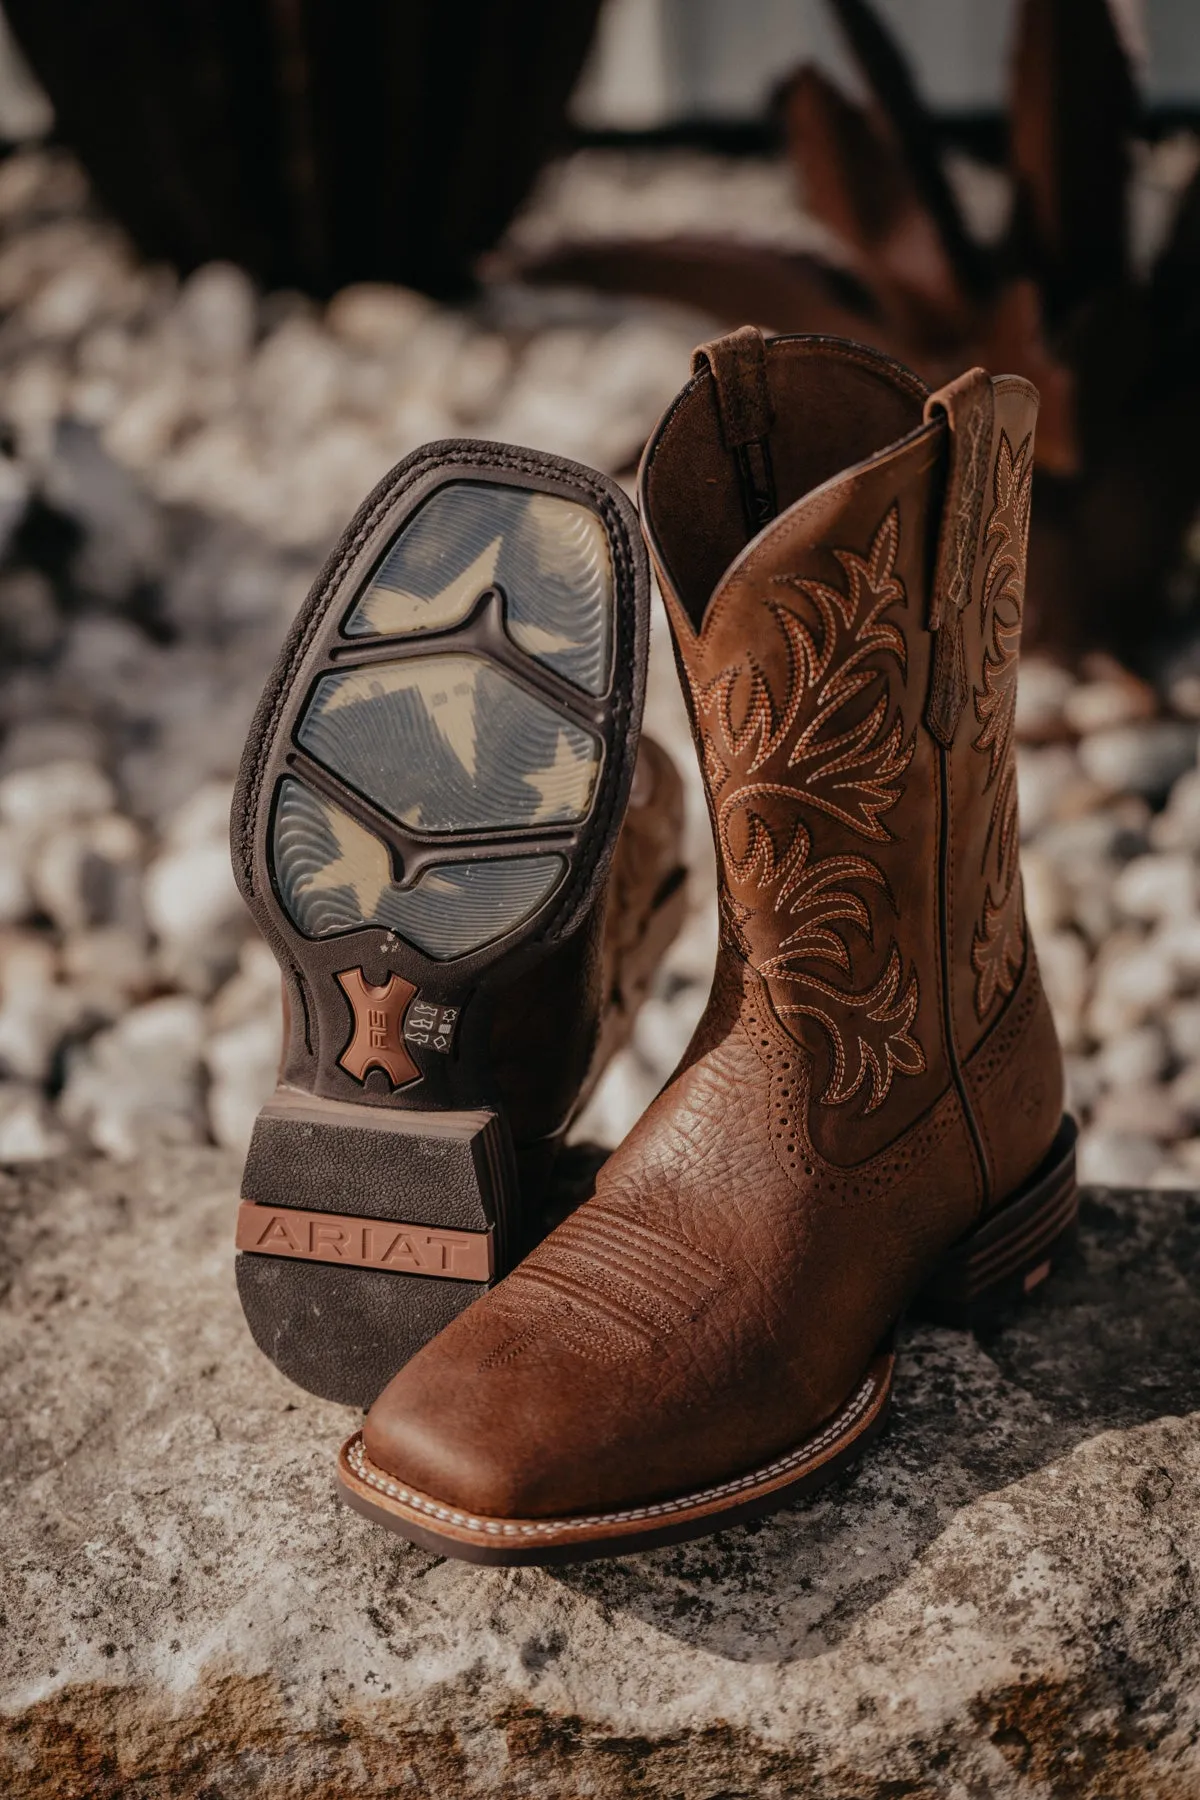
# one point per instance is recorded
(1004, 1259)
(427, 806)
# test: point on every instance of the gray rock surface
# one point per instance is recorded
(1002, 1602)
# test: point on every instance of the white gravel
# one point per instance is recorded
(181, 456)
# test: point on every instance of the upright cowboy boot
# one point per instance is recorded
(424, 829)
(869, 1116)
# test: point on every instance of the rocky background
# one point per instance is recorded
(1001, 1601)
(177, 457)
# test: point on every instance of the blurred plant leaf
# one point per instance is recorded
(1073, 108)
(913, 135)
(718, 276)
(1116, 359)
(863, 191)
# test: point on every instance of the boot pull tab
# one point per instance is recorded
(968, 406)
(739, 370)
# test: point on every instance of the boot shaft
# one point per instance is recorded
(842, 558)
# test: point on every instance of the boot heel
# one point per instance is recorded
(363, 1231)
(1014, 1250)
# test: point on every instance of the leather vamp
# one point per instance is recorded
(707, 1309)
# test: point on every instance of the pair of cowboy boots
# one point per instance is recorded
(869, 1116)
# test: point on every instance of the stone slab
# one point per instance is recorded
(1002, 1602)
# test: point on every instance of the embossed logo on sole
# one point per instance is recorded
(365, 1243)
(378, 1039)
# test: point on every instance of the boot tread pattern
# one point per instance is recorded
(460, 707)
(425, 813)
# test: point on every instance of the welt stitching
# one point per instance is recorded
(366, 1472)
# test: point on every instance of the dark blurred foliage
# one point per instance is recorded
(1115, 356)
(314, 142)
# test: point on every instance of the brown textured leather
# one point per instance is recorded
(969, 407)
(846, 1110)
(738, 365)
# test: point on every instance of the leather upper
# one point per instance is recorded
(877, 1064)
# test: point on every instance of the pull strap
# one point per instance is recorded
(968, 406)
(738, 363)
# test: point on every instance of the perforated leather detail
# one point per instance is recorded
(800, 1162)
(1005, 1037)
(620, 1379)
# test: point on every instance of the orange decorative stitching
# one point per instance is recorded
(890, 1007)
(998, 950)
(793, 1149)
(850, 772)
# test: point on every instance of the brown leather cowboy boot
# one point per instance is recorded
(430, 828)
(870, 1113)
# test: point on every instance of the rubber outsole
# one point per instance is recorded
(428, 803)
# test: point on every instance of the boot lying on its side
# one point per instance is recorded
(430, 828)
(870, 1114)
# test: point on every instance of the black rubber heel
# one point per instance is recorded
(1014, 1250)
(363, 1231)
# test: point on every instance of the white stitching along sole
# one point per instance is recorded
(863, 1409)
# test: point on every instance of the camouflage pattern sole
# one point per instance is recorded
(427, 806)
